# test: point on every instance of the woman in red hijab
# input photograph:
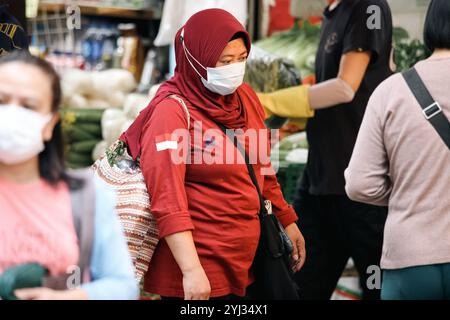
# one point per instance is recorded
(206, 210)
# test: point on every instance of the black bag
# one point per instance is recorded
(274, 278)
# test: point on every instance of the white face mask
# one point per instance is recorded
(222, 80)
(20, 133)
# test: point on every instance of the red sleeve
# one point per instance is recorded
(163, 176)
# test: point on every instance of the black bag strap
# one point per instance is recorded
(250, 169)
(263, 211)
(241, 149)
(430, 108)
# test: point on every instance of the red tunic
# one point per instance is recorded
(218, 202)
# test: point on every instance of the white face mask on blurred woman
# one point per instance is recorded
(20, 133)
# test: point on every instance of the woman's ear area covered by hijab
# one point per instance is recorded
(206, 34)
(234, 52)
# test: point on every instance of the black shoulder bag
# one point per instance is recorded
(430, 108)
(274, 278)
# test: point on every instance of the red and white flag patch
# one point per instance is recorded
(166, 142)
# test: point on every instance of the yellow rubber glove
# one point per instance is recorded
(288, 103)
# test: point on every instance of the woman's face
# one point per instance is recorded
(27, 86)
(234, 52)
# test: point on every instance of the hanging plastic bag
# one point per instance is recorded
(176, 13)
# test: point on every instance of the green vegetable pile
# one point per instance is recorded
(286, 145)
(82, 131)
(300, 45)
(407, 52)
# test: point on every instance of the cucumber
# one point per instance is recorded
(77, 165)
(83, 115)
(94, 129)
(83, 146)
(77, 134)
(79, 158)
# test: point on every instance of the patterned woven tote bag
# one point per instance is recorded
(118, 169)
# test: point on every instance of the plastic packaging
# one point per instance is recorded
(267, 72)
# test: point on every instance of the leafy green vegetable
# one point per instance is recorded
(299, 44)
(399, 34)
(408, 52)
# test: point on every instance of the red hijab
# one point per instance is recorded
(206, 34)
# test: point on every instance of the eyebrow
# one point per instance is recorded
(27, 100)
(31, 100)
(232, 55)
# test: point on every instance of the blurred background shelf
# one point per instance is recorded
(94, 9)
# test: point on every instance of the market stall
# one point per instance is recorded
(119, 41)
(112, 56)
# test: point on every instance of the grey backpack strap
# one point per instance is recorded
(83, 210)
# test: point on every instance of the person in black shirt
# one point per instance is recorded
(12, 35)
(352, 60)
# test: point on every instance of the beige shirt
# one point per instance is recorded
(399, 160)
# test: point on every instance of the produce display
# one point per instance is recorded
(267, 72)
(299, 45)
(407, 52)
(292, 149)
(115, 121)
(93, 108)
(100, 105)
(399, 34)
(289, 158)
(96, 89)
(279, 61)
(82, 132)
